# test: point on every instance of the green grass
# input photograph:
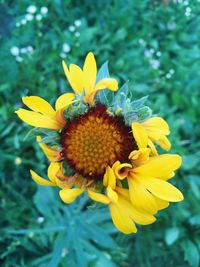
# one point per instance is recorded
(153, 45)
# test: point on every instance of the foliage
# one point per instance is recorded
(153, 44)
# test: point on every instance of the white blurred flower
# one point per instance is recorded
(185, 3)
(77, 34)
(171, 26)
(30, 49)
(187, 14)
(23, 21)
(19, 59)
(66, 48)
(40, 219)
(142, 42)
(188, 9)
(168, 75)
(31, 9)
(23, 50)
(152, 50)
(158, 54)
(64, 252)
(77, 23)
(171, 71)
(62, 55)
(18, 24)
(147, 53)
(71, 28)
(18, 160)
(38, 17)
(154, 63)
(29, 17)
(44, 10)
(14, 51)
(30, 234)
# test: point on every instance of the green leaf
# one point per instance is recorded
(171, 235)
(191, 253)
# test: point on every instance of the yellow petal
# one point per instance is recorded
(98, 197)
(152, 147)
(89, 72)
(162, 189)
(139, 217)
(141, 198)
(112, 195)
(140, 135)
(121, 220)
(164, 143)
(107, 83)
(139, 157)
(39, 180)
(60, 117)
(53, 170)
(121, 170)
(161, 204)
(109, 178)
(64, 100)
(159, 166)
(156, 127)
(37, 120)
(51, 153)
(71, 80)
(37, 103)
(69, 195)
(77, 78)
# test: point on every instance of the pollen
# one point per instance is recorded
(96, 140)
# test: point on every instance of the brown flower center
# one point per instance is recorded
(95, 140)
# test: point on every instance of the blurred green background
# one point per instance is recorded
(153, 44)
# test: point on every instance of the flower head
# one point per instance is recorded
(105, 148)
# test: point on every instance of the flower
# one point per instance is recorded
(31, 9)
(153, 130)
(43, 115)
(84, 81)
(104, 148)
(14, 51)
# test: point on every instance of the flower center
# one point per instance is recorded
(95, 140)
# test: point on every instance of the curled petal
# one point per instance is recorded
(69, 195)
(121, 170)
(98, 197)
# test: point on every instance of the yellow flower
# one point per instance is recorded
(153, 130)
(101, 149)
(85, 79)
(43, 115)
(123, 213)
(147, 180)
